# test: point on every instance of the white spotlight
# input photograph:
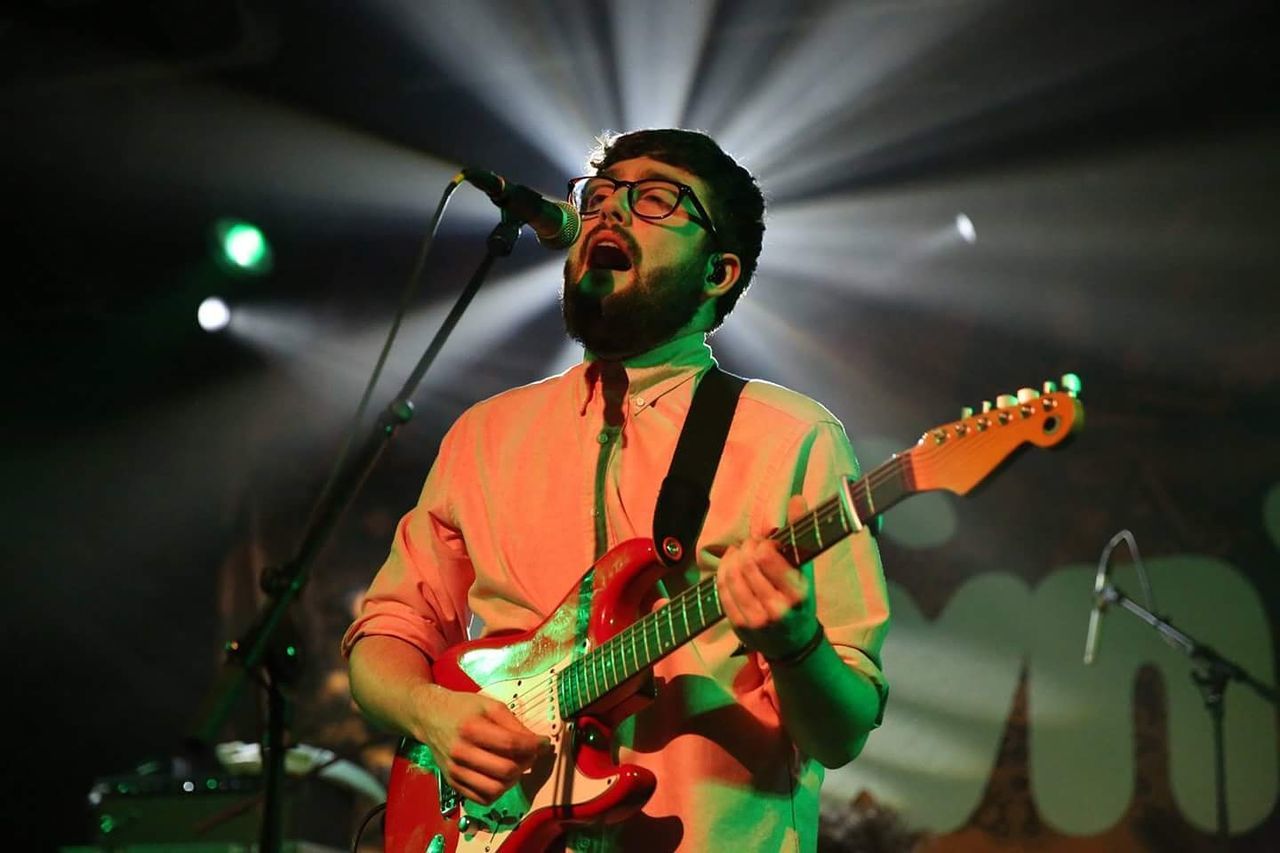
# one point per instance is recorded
(964, 227)
(213, 315)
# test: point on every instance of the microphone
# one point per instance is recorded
(1100, 598)
(556, 223)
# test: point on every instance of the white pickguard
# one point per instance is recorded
(553, 779)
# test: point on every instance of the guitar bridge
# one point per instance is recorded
(449, 799)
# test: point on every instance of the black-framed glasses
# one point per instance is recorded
(650, 198)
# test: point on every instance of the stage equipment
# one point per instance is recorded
(264, 645)
(1100, 582)
(171, 806)
(556, 223)
(1211, 672)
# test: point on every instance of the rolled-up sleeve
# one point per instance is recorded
(420, 593)
(848, 581)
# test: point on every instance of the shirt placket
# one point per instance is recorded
(613, 416)
(609, 438)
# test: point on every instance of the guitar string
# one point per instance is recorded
(630, 638)
(596, 662)
(595, 671)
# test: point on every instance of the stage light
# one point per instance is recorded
(242, 247)
(245, 246)
(344, 357)
(964, 227)
(213, 315)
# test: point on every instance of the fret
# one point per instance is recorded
(568, 701)
(684, 613)
(817, 529)
(795, 550)
(580, 683)
(644, 635)
(833, 533)
(894, 480)
(702, 617)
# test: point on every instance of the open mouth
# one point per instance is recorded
(606, 254)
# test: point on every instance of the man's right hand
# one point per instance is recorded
(479, 745)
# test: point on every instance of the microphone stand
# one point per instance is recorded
(1211, 674)
(262, 646)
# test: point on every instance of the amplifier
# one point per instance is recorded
(215, 808)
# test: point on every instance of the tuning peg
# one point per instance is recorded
(1050, 387)
(1072, 384)
(966, 412)
(1005, 401)
(986, 406)
(1026, 395)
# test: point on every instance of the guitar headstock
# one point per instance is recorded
(959, 455)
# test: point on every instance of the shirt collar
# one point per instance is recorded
(652, 374)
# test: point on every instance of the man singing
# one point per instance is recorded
(532, 486)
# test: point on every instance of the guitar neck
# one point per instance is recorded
(955, 457)
(658, 634)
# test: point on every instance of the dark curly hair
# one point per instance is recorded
(736, 205)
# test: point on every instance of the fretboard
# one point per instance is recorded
(656, 635)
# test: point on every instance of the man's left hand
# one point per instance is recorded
(768, 602)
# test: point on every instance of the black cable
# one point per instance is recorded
(1127, 537)
(364, 824)
(410, 291)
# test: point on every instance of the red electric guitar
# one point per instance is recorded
(579, 673)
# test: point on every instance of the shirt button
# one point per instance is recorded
(639, 402)
(603, 437)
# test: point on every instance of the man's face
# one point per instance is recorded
(631, 284)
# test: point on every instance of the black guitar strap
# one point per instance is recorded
(686, 491)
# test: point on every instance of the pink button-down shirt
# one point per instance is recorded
(508, 520)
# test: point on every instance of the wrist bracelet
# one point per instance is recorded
(793, 658)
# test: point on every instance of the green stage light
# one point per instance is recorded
(242, 247)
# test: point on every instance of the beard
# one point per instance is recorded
(619, 325)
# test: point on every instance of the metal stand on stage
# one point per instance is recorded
(1211, 673)
(262, 647)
